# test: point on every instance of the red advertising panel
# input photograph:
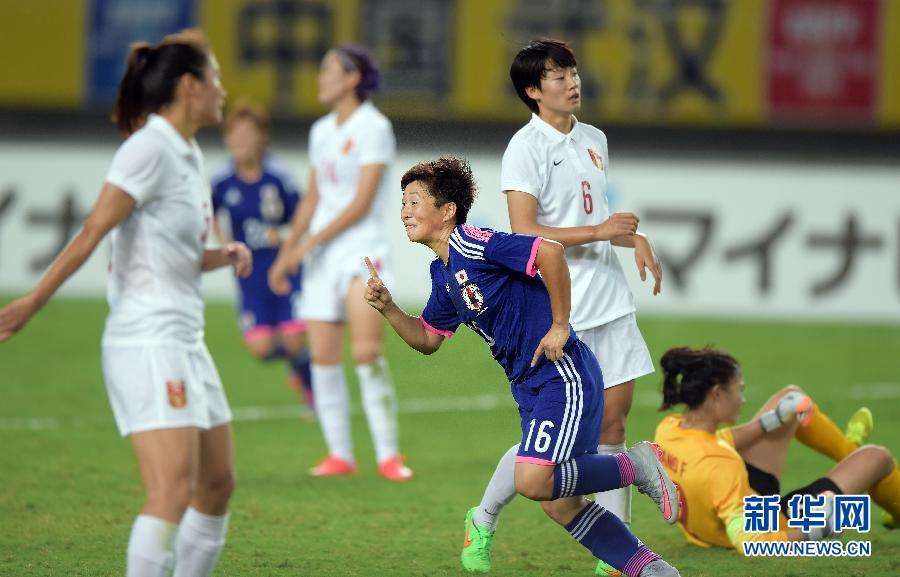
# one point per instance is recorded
(824, 60)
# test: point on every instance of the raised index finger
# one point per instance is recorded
(372, 272)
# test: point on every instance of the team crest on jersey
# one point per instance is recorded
(348, 146)
(270, 205)
(233, 197)
(461, 276)
(596, 158)
(177, 393)
(472, 296)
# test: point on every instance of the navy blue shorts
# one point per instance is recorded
(561, 408)
(261, 311)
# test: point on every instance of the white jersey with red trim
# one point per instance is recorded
(338, 153)
(156, 253)
(567, 174)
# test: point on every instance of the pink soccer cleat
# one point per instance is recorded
(333, 466)
(393, 469)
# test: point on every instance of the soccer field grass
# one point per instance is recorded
(69, 486)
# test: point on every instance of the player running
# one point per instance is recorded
(164, 389)
(252, 197)
(351, 150)
(487, 281)
(554, 175)
(716, 468)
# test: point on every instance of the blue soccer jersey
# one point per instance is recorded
(252, 210)
(489, 284)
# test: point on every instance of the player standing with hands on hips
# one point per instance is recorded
(351, 150)
(488, 281)
(162, 384)
(554, 175)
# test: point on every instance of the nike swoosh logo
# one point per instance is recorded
(467, 541)
(667, 508)
(558, 162)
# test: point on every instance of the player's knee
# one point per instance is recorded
(366, 353)
(612, 429)
(261, 349)
(560, 510)
(880, 456)
(173, 494)
(219, 488)
(534, 488)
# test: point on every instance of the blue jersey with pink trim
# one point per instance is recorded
(254, 210)
(489, 284)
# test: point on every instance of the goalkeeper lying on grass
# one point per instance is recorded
(716, 468)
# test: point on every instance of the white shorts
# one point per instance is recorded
(163, 387)
(620, 349)
(327, 277)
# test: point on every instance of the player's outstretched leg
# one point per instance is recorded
(607, 538)
(860, 426)
(499, 492)
(476, 551)
(651, 479)
(589, 473)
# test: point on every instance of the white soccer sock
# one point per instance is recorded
(500, 491)
(201, 538)
(380, 405)
(618, 500)
(333, 409)
(151, 548)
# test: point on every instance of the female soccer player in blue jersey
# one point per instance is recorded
(487, 281)
(252, 197)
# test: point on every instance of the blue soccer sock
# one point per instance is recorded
(277, 352)
(607, 538)
(590, 473)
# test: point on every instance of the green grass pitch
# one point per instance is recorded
(69, 486)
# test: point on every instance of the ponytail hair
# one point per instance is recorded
(354, 57)
(152, 74)
(689, 374)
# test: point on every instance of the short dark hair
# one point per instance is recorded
(246, 109)
(530, 65)
(447, 179)
(152, 74)
(689, 374)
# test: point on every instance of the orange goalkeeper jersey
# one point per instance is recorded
(713, 482)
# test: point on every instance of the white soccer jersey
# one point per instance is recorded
(338, 153)
(567, 175)
(154, 272)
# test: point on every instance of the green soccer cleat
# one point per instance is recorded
(888, 521)
(860, 426)
(476, 552)
(606, 570)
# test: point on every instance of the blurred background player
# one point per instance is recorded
(554, 175)
(716, 468)
(252, 197)
(487, 280)
(164, 389)
(343, 212)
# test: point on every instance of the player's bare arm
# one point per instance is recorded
(645, 257)
(523, 209)
(408, 327)
(284, 264)
(551, 263)
(112, 207)
(235, 254)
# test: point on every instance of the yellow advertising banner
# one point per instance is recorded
(741, 63)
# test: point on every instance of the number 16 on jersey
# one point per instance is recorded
(542, 440)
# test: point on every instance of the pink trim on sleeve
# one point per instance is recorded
(530, 269)
(431, 329)
(535, 461)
